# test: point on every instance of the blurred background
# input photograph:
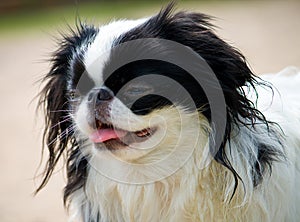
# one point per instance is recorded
(267, 33)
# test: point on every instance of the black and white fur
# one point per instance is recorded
(254, 175)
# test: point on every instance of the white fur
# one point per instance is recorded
(194, 193)
(98, 52)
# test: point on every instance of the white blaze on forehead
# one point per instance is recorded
(99, 51)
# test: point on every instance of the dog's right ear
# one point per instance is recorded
(58, 131)
(54, 102)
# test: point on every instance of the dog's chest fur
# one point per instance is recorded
(189, 194)
(191, 198)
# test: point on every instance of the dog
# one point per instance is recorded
(159, 119)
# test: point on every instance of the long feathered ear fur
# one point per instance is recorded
(58, 133)
(55, 105)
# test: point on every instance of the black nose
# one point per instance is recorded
(99, 95)
(104, 94)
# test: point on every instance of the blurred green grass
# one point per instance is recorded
(45, 18)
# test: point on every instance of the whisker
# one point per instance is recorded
(63, 110)
(67, 131)
(63, 134)
(63, 121)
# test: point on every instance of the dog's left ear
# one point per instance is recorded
(196, 31)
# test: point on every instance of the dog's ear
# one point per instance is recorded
(54, 98)
(196, 31)
(54, 102)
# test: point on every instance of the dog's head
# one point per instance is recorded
(138, 90)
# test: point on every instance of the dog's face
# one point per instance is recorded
(142, 108)
(123, 90)
(146, 105)
(130, 113)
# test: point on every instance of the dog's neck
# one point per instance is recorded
(171, 199)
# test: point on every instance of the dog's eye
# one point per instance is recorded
(138, 90)
(73, 95)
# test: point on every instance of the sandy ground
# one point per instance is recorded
(267, 33)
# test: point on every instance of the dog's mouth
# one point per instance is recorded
(113, 137)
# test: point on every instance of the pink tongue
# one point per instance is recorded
(103, 135)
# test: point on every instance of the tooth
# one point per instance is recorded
(142, 133)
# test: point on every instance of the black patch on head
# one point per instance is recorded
(148, 74)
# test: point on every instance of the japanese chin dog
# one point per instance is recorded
(159, 119)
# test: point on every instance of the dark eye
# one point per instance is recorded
(138, 90)
(73, 95)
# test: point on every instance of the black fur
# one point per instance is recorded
(173, 95)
